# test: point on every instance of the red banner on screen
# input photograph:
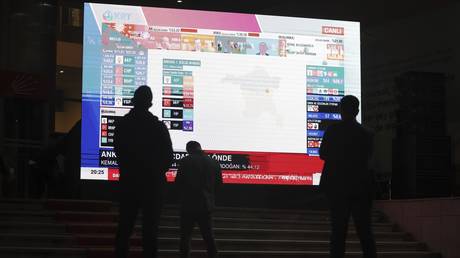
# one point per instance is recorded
(265, 168)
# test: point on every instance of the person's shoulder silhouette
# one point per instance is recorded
(346, 148)
(346, 180)
(142, 142)
(197, 178)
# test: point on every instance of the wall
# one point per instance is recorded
(68, 84)
(425, 42)
(435, 222)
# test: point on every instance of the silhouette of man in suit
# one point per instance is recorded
(346, 180)
(197, 178)
(144, 151)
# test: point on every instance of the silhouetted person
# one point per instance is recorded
(72, 153)
(46, 176)
(144, 151)
(197, 178)
(346, 180)
(3, 176)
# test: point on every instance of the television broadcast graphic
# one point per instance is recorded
(256, 91)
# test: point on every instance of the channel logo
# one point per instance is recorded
(107, 15)
(116, 16)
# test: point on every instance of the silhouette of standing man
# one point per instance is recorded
(346, 180)
(144, 151)
(197, 178)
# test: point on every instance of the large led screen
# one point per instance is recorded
(256, 91)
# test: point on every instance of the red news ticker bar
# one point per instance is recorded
(253, 34)
(114, 174)
(188, 30)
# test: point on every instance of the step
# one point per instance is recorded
(36, 240)
(263, 210)
(73, 216)
(237, 233)
(96, 205)
(137, 252)
(15, 205)
(55, 204)
(63, 240)
(268, 213)
(43, 252)
(31, 227)
(272, 223)
(34, 252)
(250, 244)
(106, 206)
(79, 205)
(104, 217)
(27, 216)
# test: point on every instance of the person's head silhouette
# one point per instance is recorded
(349, 107)
(193, 147)
(142, 97)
